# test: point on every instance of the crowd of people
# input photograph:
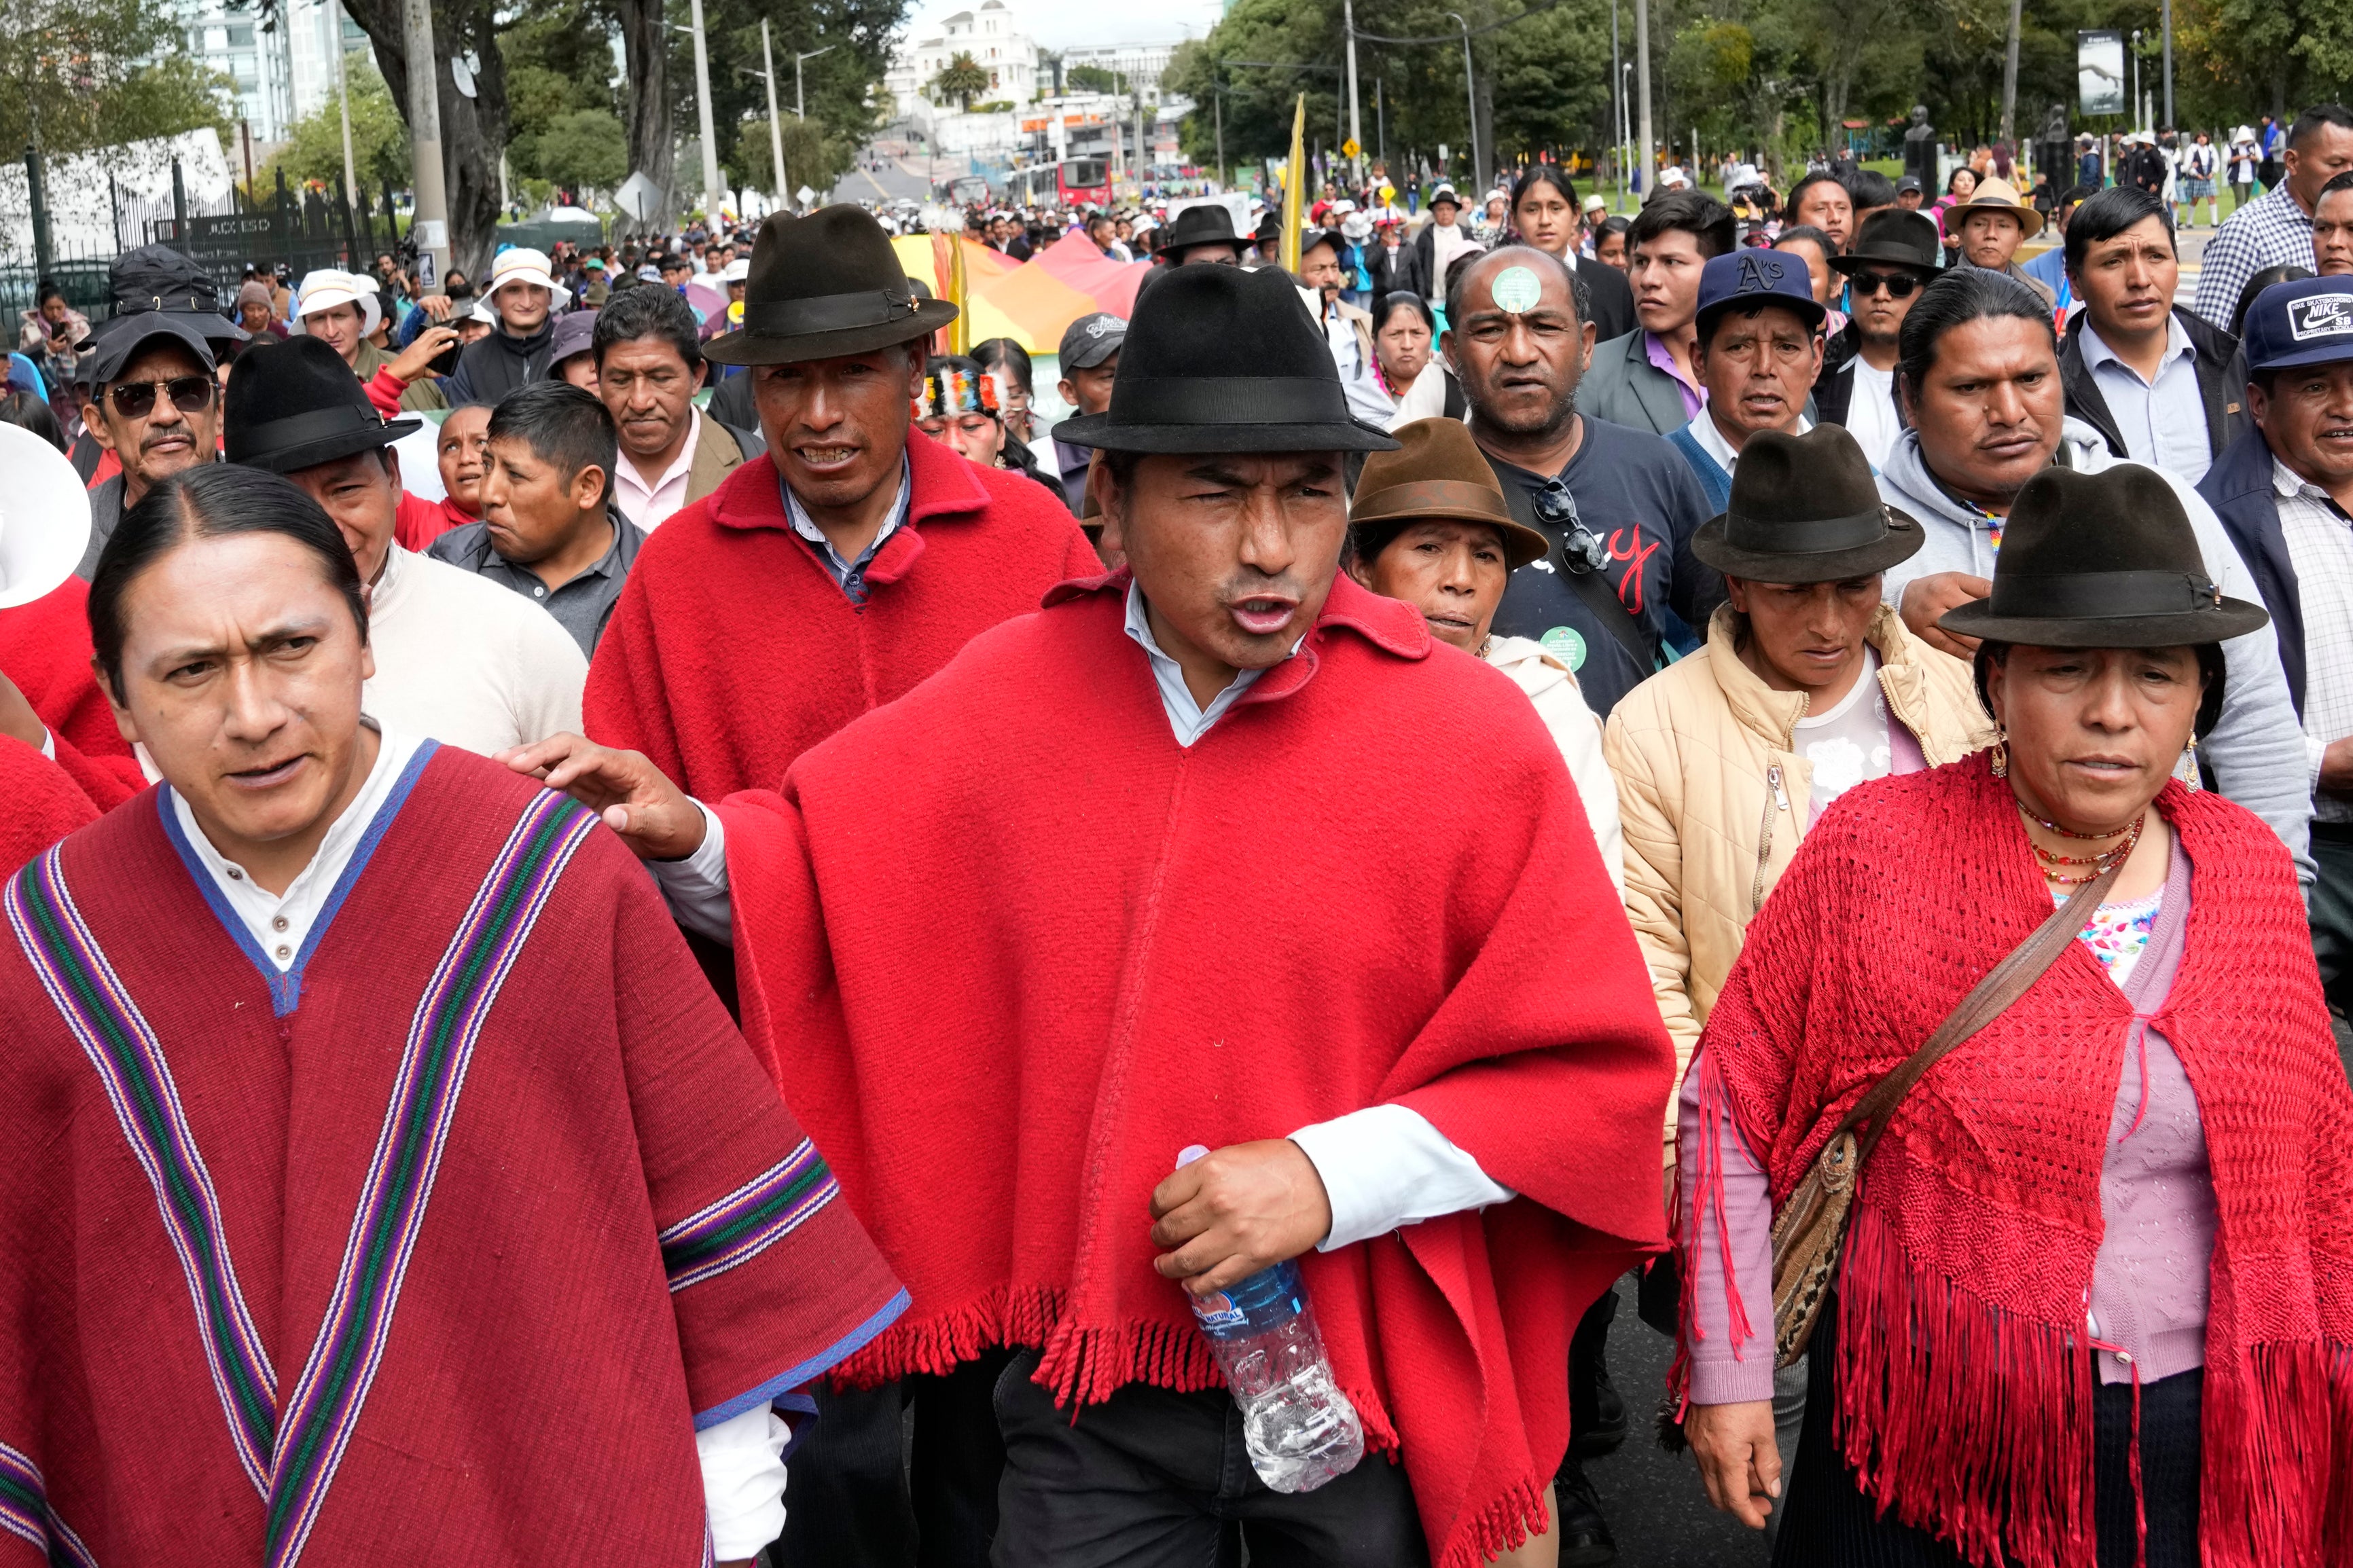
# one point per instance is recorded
(647, 920)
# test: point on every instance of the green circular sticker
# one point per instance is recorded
(1517, 290)
(1565, 642)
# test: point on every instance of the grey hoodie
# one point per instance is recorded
(2257, 749)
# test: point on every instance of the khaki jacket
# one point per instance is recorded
(1712, 801)
(716, 456)
(421, 394)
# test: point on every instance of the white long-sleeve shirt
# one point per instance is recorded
(1382, 1167)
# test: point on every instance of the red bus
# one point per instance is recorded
(1079, 182)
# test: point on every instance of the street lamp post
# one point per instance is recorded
(798, 100)
(1643, 84)
(711, 191)
(1470, 102)
(1355, 130)
(775, 132)
(429, 227)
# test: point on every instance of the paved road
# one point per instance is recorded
(899, 177)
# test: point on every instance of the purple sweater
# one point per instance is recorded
(2150, 1280)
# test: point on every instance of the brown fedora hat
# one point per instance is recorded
(1997, 196)
(823, 286)
(1805, 508)
(1438, 473)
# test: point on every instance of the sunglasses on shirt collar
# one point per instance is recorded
(1581, 550)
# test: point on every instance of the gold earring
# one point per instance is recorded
(1998, 757)
(2189, 756)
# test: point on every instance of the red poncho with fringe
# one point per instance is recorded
(1011, 948)
(1964, 1376)
(732, 651)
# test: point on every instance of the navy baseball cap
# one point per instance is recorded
(2308, 321)
(1091, 340)
(1750, 276)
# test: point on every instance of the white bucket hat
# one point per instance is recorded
(44, 518)
(328, 287)
(518, 265)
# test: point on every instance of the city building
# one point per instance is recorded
(995, 38)
(1134, 68)
(229, 37)
(310, 29)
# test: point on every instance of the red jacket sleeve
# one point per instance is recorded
(44, 803)
(384, 390)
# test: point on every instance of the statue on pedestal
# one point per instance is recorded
(1920, 150)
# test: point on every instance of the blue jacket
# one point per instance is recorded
(2238, 487)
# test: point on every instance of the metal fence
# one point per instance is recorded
(295, 230)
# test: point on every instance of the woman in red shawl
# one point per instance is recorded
(2095, 1299)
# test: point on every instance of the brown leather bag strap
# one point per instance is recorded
(2004, 983)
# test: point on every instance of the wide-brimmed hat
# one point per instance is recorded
(1438, 473)
(1893, 237)
(2104, 559)
(295, 404)
(1805, 508)
(44, 518)
(1182, 388)
(157, 292)
(823, 286)
(1206, 224)
(576, 333)
(520, 264)
(1997, 196)
(325, 288)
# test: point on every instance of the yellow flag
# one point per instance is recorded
(959, 330)
(1294, 187)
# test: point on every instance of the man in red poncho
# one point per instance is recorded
(807, 589)
(1222, 849)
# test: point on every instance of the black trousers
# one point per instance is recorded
(1831, 1525)
(2332, 911)
(903, 1476)
(1154, 1479)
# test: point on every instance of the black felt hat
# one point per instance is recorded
(823, 286)
(295, 404)
(1893, 237)
(1805, 508)
(157, 292)
(1222, 359)
(1208, 223)
(2104, 559)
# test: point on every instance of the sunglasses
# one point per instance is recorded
(136, 399)
(1899, 286)
(1580, 550)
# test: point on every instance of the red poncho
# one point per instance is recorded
(435, 1250)
(732, 651)
(1011, 948)
(1965, 1382)
(45, 648)
(44, 803)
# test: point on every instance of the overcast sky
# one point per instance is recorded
(1062, 24)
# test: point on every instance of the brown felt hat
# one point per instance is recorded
(1997, 196)
(823, 286)
(1805, 508)
(1438, 473)
(2104, 559)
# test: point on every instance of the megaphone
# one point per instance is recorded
(44, 517)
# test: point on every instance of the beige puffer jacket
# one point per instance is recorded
(1712, 801)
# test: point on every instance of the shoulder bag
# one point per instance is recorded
(1811, 1227)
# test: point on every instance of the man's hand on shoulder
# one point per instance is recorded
(1926, 599)
(1237, 1210)
(654, 817)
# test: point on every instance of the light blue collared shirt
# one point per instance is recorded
(2163, 423)
(850, 576)
(1187, 718)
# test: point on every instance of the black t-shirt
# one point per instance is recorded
(1639, 496)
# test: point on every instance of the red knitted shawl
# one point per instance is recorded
(732, 652)
(427, 1252)
(1011, 948)
(1965, 1381)
(44, 803)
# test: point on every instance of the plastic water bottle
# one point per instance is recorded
(1300, 1430)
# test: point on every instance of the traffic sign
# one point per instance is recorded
(638, 196)
(1349, 148)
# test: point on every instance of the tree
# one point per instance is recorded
(379, 136)
(1093, 79)
(583, 149)
(962, 79)
(473, 130)
(811, 157)
(97, 73)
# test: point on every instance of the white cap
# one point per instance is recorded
(517, 265)
(1596, 204)
(329, 287)
(44, 518)
(737, 270)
